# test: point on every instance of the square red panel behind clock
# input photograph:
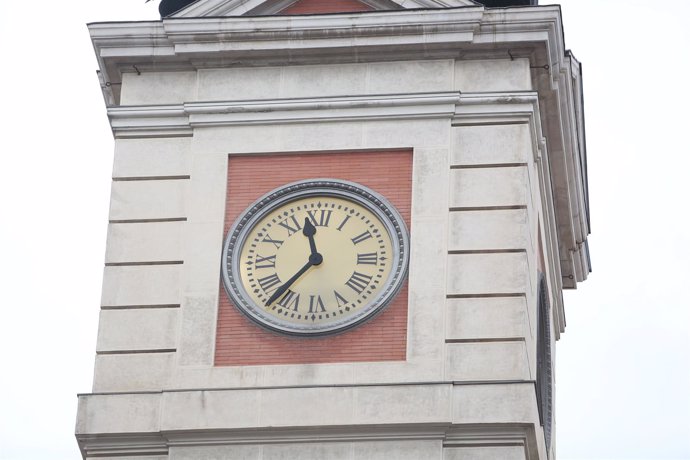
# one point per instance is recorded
(241, 342)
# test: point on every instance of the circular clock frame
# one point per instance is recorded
(355, 193)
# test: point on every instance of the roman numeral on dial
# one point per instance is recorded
(369, 258)
(324, 217)
(342, 301)
(358, 282)
(290, 300)
(342, 224)
(285, 224)
(363, 237)
(316, 304)
(265, 262)
(268, 239)
(269, 283)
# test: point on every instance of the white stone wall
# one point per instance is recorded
(474, 130)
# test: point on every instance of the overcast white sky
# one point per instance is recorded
(623, 365)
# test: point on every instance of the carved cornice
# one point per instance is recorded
(189, 44)
(131, 444)
(159, 443)
(136, 121)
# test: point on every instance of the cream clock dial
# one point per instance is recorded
(315, 257)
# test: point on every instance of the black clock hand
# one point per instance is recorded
(309, 231)
(314, 259)
(281, 290)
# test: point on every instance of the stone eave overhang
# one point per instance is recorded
(192, 43)
(473, 32)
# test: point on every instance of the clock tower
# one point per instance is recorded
(338, 230)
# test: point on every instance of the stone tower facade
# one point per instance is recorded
(467, 119)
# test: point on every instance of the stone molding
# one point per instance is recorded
(461, 108)
(512, 425)
(517, 434)
(189, 44)
(128, 121)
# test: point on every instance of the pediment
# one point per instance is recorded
(216, 8)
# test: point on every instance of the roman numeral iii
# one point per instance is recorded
(370, 258)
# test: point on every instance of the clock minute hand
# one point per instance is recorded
(281, 290)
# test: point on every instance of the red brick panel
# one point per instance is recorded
(241, 342)
(325, 6)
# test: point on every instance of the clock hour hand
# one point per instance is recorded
(314, 259)
(309, 231)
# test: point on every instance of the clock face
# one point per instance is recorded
(315, 257)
